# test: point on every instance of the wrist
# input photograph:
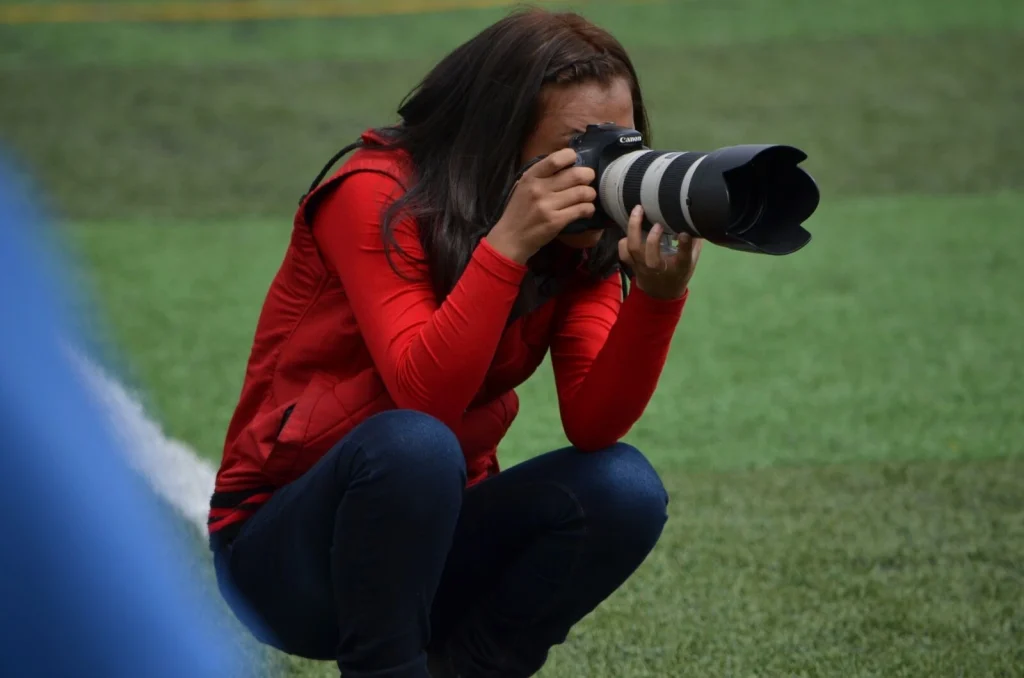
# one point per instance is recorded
(507, 247)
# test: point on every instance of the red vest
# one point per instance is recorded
(310, 379)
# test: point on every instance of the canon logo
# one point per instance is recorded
(632, 139)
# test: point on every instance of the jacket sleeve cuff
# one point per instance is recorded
(669, 309)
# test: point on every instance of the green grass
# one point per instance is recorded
(894, 335)
(876, 115)
(840, 430)
(855, 571)
(647, 23)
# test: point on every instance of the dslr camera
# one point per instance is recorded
(751, 198)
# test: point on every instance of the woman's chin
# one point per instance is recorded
(581, 240)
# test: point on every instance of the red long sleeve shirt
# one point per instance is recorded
(435, 358)
(342, 335)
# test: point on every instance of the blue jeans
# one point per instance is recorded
(379, 555)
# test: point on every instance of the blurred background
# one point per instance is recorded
(840, 430)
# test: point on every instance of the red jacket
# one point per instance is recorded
(342, 336)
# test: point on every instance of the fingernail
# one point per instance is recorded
(637, 210)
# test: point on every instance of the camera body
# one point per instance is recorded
(595, 148)
(750, 198)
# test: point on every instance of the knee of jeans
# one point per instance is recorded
(626, 494)
(405, 446)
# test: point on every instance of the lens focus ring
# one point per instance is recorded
(611, 186)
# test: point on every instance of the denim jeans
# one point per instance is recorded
(378, 555)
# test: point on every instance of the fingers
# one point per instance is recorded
(684, 262)
(635, 249)
(556, 185)
(570, 177)
(698, 243)
(553, 164)
(558, 167)
(582, 210)
(634, 234)
(689, 249)
(572, 196)
(624, 256)
(652, 249)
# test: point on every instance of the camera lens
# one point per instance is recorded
(750, 198)
(746, 198)
(657, 180)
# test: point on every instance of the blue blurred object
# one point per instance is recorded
(94, 578)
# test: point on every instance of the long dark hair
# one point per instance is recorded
(465, 124)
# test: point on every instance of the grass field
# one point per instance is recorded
(840, 430)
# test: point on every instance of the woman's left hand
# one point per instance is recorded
(659, 276)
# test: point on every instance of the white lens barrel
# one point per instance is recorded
(650, 186)
(684, 191)
(610, 187)
(657, 180)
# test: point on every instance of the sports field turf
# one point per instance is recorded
(840, 430)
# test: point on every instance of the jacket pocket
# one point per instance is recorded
(326, 411)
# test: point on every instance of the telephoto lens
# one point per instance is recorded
(751, 198)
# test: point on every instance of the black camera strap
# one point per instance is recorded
(327, 168)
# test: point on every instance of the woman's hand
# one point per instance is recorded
(659, 276)
(548, 197)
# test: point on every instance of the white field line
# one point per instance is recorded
(171, 467)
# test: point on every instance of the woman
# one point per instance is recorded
(359, 512)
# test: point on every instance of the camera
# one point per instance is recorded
(751, 198)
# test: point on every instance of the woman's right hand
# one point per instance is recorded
(548, 197)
